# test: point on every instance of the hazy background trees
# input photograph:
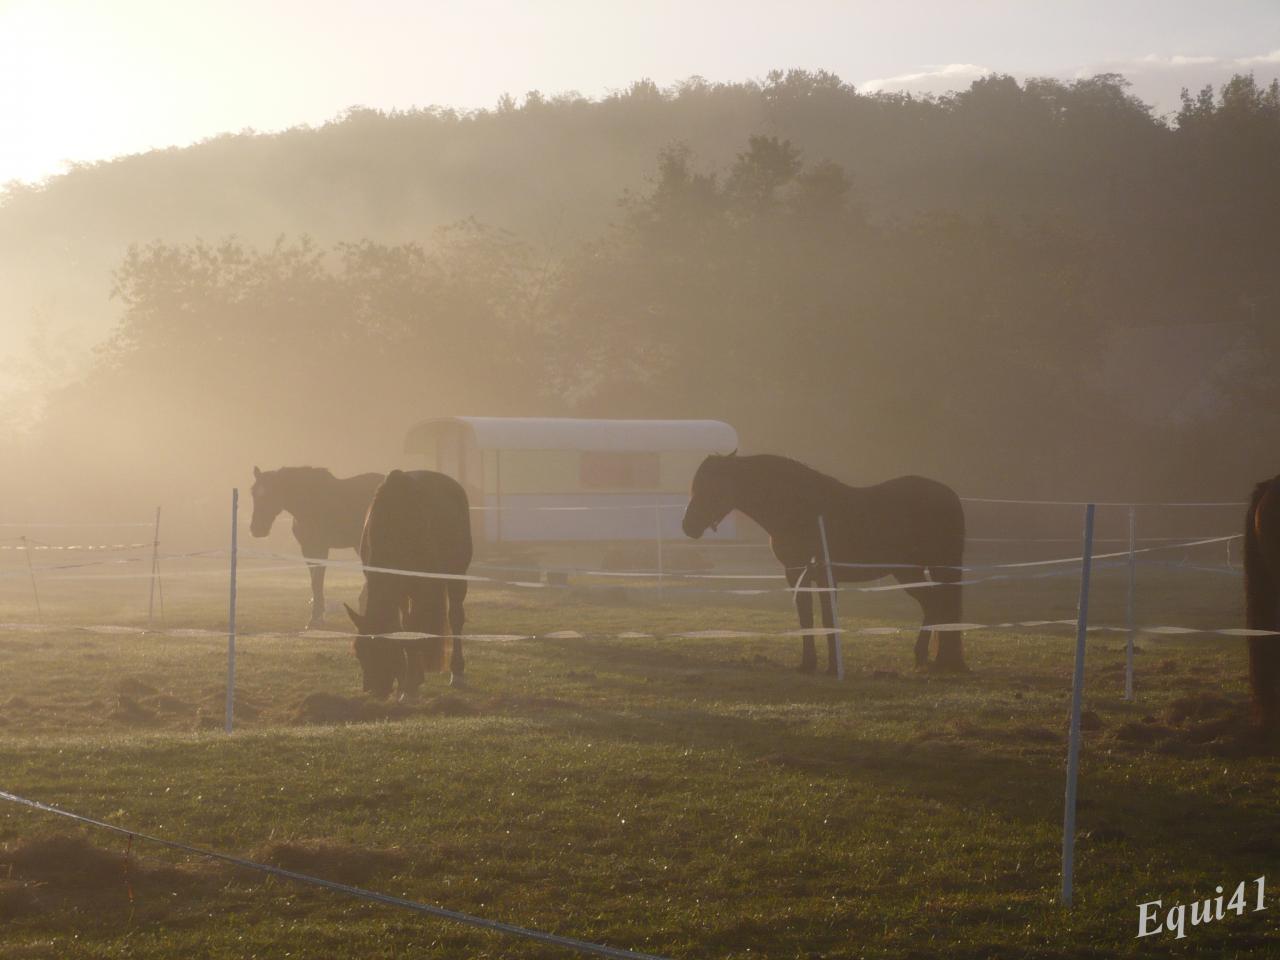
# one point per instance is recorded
(1033, 288)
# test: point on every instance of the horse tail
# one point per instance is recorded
(1261, 569)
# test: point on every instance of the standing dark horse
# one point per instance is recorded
(328, 514)
(912, 525)
(1262, 600)
(419, 520)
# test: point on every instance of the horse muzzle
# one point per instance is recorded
(694, 529)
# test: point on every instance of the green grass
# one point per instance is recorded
(687, 798)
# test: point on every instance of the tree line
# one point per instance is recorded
(877, 284)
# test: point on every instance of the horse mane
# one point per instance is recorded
(801, 475)
(304, 473)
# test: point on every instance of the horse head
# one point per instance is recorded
(382, 660)
(711, 496)
(267, 502)
(382, 664)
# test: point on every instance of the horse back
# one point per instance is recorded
(907, 519)
(420, 520)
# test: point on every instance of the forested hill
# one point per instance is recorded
(974, 286)
(1083, 157)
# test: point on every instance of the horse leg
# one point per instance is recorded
(946, 609)
(1264, 679)
(457, 665)
(919, 595)
(457, 591)
(1264, 657)
(414, 670)
(317, 583)
(804, 610)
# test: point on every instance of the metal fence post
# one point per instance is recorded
(1077, 697)
(835, 610)
(231, 618)
(1130, 620)
(155, 574)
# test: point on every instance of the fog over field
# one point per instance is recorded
(615, 472)
(1027, 287)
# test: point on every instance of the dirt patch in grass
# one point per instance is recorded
(215, 702)
(135, 688)
(167, 703)
(790, 761)
(961, 729)
(340, 862)
(66, 860)
(1200, 724)
(128, 710)
(71, 861)
(513, 703)
(1147, 732)
(1203, 706)
(18, 899)
(321, 707)
(448, 705)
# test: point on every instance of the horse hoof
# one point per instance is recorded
(315, 624)
(457, 680)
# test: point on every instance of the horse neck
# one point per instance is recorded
(785, 496)
(306, 494)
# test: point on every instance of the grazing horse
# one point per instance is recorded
(1262, 600)
(914, 526)
(419, 520)
(328, 514)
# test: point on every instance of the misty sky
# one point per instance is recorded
(83, 80)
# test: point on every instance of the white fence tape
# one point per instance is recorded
(473, 578)
(1099, 503)
(114, 561)
(1032, 570)
(76, 547)
(201, 633)
(494, 926)
(72, 525)
(1177, 545)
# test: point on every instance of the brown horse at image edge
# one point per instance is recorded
(910, 528)
(1262, 600)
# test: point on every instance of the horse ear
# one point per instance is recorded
(256, 473)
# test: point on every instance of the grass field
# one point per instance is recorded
(690, 798)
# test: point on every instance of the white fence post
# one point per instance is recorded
(155, 574)
(657, 525)
(1130, 620)
(835, 610)
(31, 571)
(231, 618)
(1077, 696)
